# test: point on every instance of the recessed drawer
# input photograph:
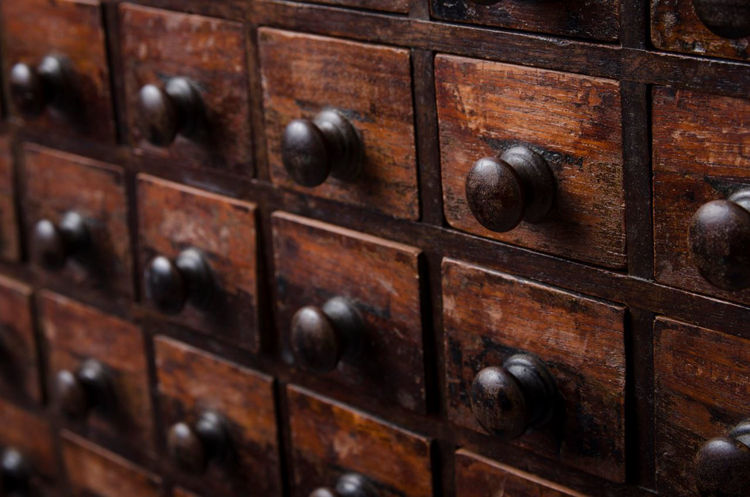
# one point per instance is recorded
(9, 241)
(349, 308)
(98, 374)
(339, 120)
(58, 75)
(702, 393)
(220, 420)
(186, 88)
(198, 257)
(333, 445)
(532, 157)
(19, 369)
(535, 365)
(76, 215)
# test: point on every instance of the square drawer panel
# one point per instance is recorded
(98, 374)
(571, 347)
(702, 392)
(186, 88)
(184, 229)
(362, 153)
(76, 214)
(701, 165)
(19, 367)
(702, 27)
(330, 440)
(349, 308)
(96, 472)
(220, 420)
(9, 241)
(67, 93)
(550, 144)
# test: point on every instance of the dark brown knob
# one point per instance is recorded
(720, 241)
(90, 387)
(176, 109)
(193, 447)
(503, 192)
(15, 473)
(322, 337)
(329, 144)
(55, 243)
(348, 485)
(50, 83)
(727, 18)
(170, 285)
(509, 401)
(723, 464)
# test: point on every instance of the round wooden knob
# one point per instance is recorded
(54, 244)
(727, 18)
(321, 337)
(15, 473)
(327, 145)
(90, 387)
(723, 464)
(348, 485)
(50, 83)
(176, 109)
(192, 448)
(26, 90)
(720, 241)
(510, 400)
(503, 192)
(170, 285)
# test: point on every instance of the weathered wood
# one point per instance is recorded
(19, 363)
(31, 434)
(9, 238)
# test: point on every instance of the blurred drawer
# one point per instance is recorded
(535, 147)
(10, 249)
(19, 363)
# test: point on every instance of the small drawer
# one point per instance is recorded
(348, 308)
(19, 367)
(703, 27)
(220, 421)
(702, 410)
(339, 120)
(186, 88)
(532, 157)
(9, 240)
(508, 339)
(98, 373)
(333, 445)
(76, 215)
(96, 472)
(198, 257)
(58, 76)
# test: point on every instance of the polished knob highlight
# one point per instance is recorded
(170, 285)
(50, 83)
(90, 387)
(723, 464)
(54, 244)
(193, 447)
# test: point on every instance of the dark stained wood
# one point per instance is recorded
(396, 6)
(371, 86)
(31, 434)
(181, 492)
(19, 366)
(9, 238)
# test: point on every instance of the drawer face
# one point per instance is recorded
(596, 20)
(702, 391)
(72, 29)
(316, 261)
(9, 243)
(19, 369)
(573, 121)
(329, 439)
(158, 45)
(489, 316)
(192, 382)
(76, 333)
(700, 154)
(371, 86)
(396, 6)
(57, 183)
(96, 472)
(174, 217)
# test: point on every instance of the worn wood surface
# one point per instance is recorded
(9, 238)
(396, 6)
(19, 361)
(371, 86)
(31, 434)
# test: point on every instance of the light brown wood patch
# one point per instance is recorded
(9, 239)
(19, 368)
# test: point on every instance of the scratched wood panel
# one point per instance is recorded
(316, 261)
(330, 439)
(173, 217)
(489, 316)
(19, 361)
(190, 381)
(159, 44)
(10, 249)
(371, 85)
(573, 121)
(56, 182)
(700, 154)
(75, 332)
(702, 390)
(72, 28)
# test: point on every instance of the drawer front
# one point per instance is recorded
(192, 384)
(702, 392)
(370, 87)
(9, 241)
(114, 405)
(396, 6)
(214, 130)
(329, 439)
(58, 184)
(570, 123)
(174, 218)
(490, 317)
(316, 262)
(71, 30)
(19, 372)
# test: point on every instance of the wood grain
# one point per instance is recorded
(19, 361)
(10, 248)
(31, 434)
(573, 121)
(396, 6)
